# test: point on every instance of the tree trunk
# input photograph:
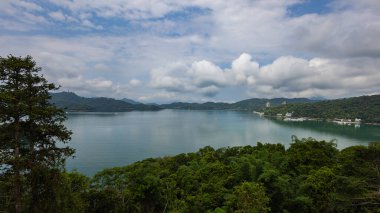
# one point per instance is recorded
(17, 192)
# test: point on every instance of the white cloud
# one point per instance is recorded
(134, 82)
(202, 77)
(28, 5)
(133, 9)
(89, 24)
(101, 67)
(352, 33)
(287, 76)
(95, 87)
(188, 55)
(296, 77)
(57, 15)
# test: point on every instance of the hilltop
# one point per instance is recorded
(71, 102)
(366, 108)
(244, 105)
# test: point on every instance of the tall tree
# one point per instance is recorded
(31, 129)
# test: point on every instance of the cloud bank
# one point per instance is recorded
(287, 76)
(186, 50)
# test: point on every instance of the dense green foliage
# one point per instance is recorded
(130, 101)
(31, 160)
(249, 104)
(260, 103)
(309, 176)
(71, 102)
(366, 108)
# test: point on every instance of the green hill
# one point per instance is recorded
(71, 102)
(130, 101)
(197, 106)
(249, 104)
(260, 103)
(366, 108)
(308, 176)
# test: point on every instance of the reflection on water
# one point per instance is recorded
(105, 140)
(358, 132)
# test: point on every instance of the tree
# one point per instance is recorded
(307, 154)
(31, 158)
(250, 197)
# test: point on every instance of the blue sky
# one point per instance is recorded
(199, 50)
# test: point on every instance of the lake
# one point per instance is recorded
(104, 140)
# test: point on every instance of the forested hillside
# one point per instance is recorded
(260, 103)
(71, 102)
(366, 108)
(249, 104)
(309, 176)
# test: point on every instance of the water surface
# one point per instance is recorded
(105, 140)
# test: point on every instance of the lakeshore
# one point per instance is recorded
(341, 121)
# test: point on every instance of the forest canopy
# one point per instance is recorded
(309, 176)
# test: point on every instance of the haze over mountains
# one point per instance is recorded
(71, 102)
(364, 107)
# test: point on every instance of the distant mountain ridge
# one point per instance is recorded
(364, 107)
(244, 105)
(131, 101)
(260, 103)
(71, 102)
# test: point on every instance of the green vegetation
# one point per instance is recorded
(249, 104)
(71, 102)
(309, 176)
(30, 128)
(366, 108)
(260, 103)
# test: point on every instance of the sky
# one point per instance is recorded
(199, 50)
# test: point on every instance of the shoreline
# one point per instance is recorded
(301, 119)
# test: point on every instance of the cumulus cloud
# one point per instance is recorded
(89, 24)
(203, 77)
(287, 76)
(296, 77)
(134, 82)
(28, 5)
(352, 33)
(182, 47)
(84, 85)
(125, 9)
(96, 87)
(57, 15)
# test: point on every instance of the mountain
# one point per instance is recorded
(196, 106)
(249, 104)
(366, 108)
(260, 103)
(71, 102)
(130, 101)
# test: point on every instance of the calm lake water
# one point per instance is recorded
(104, 140)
